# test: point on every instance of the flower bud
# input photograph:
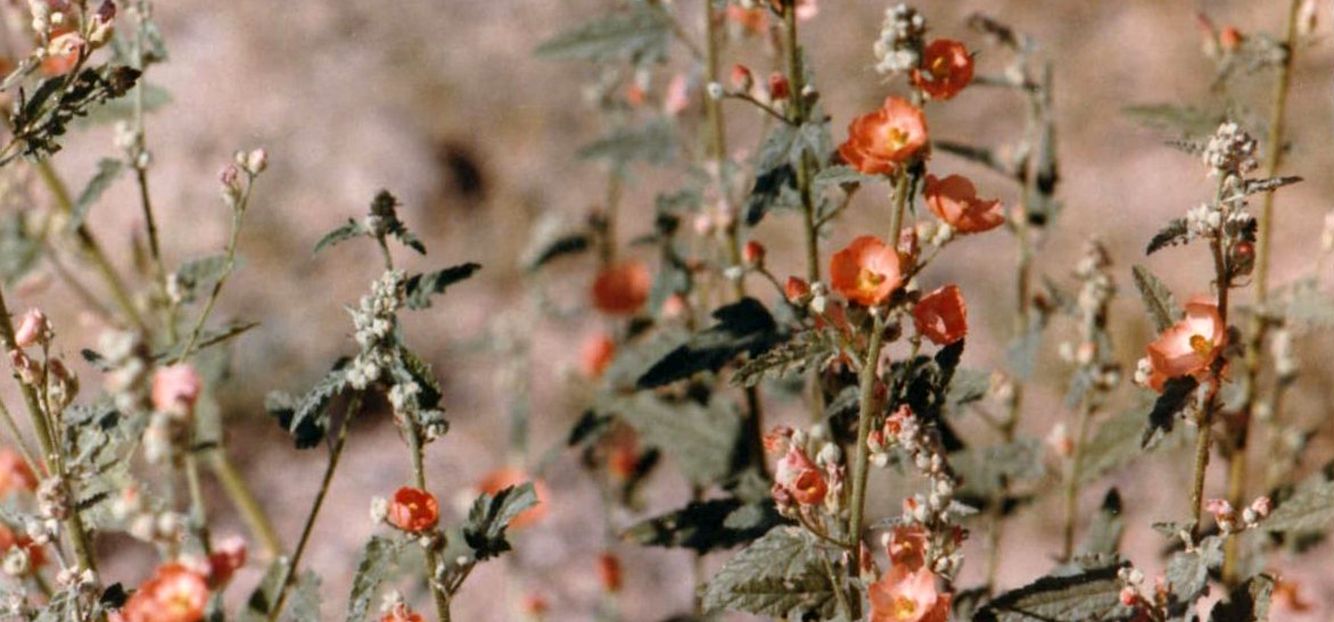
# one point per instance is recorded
(779, 88)
(742, 79)
(753, 253)
(256, 161)
(33, 329)
(796, 288)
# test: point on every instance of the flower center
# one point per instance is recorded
(904, 607)
(1201, 345)
(940, 68)
(868, 280)
(896, 137)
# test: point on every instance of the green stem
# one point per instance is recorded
(335, 452)
(1254, 355)
(252, 513)
(238, 213)
(1072, 483)
(865, 416)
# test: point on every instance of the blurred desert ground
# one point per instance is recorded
(441, 101)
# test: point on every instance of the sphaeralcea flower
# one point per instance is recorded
(1189, 347)
(884, 140)
(954, 200)
(866, 272)
(946, 69)
(942, 316)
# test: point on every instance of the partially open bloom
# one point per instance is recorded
(413, 510)
(621, 289)
(15, 474)
(954, 200)
(879, 142)
(942, 316)
(779, 87)
(609, 572)
(596, 355)
(906, 545)
(795, 288)
(174, 594)
(9, 540)
(176, 388)
(33, 328)
(902, 595)
(1189, 347)
(866, 272)
(63, 52)
(799, 477)
(753, 253)
(228, 556)
(947, 68)
(400, 612)
(506, 477)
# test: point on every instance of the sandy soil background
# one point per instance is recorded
(352, 96)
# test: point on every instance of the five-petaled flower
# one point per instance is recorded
(954, 200)
(942, 316)
(174, 594)
(413, 510)
(1189, 347)
(621, 289)
(799, 477)
(947, 68)
(866, 272)
(904, 595)
(882, 141)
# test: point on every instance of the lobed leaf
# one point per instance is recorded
(1158, 300)
(706, 526)
(379, 564)
(420, 287)
(490, 516)
(743, 327)
(1088, 595)
(780, 575)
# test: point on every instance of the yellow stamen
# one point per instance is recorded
(868, 280)
(904, 607)
(1201, 345)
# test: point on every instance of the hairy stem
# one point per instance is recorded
(335, 453)
(238, 213)
(867, 412)
(252, 513)
(1254, 354)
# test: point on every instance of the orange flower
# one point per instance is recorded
(902, 595)
(63, 52)
(907, 547)
(797, 475)
(506, 477)
(609, 572)
(401, 613)
(621, 289)
(1189, 347)
(879, 142)
(596, 354)
(948, 69)
(942, 316)
(227, 557)
(9, 540)
(954, 200)
(174, 594)
(866, 272)
(413, 510)
(15, 474)
(751, 21)
(795, 288)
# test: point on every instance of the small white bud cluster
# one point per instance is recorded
(898, 49)
(379, 510)
(142, 522)
(1231, 521)
(16, 562)
(128, 369)
(251, 163)
(43, 18)
(52, 499)
(935, 510)
(82, 581)
(1230, 151)
(375, 320)
(1203, 221)
(1091, 304)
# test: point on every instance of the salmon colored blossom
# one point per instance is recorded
(63, 52)
(609, 572)
(942, 316)
(903, 595)
(882, 141)
(907, 546)
(506, 477)
(228, 556)
(866, 272)
(799, 477)
(176, 388)
(401, 613)
(15, 476)
(174, 594)
(954, 200)
(596, 354)
(1189, 347)
(947, 68)
(622, 289)
(9, 540)
(413, 510)
(795, 288)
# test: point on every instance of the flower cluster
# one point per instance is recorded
(898, 49)
(375, 320)
(1231, 522)
(802, 485)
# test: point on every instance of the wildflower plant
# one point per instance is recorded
(784, 403)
